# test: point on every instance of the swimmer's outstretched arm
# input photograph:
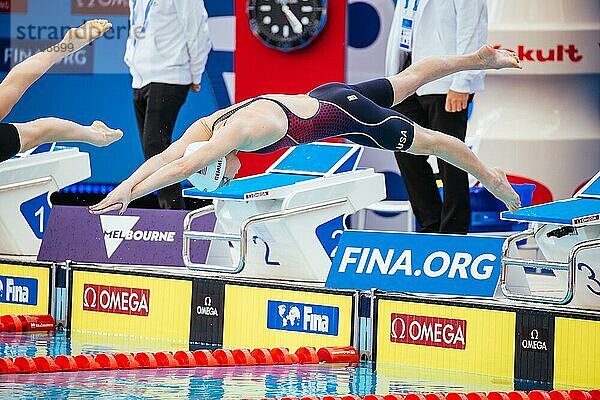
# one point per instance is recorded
(147, 179)
(431, 68)
(194, 133)
(24, 74)
(455, 152)
(174, 152)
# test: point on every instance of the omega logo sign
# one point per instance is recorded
(116, 300)
(428, 331)
(533, 342)
(207, 309)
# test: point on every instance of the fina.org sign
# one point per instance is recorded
(417, 263)
(116, 300)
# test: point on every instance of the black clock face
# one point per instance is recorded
(287, 24)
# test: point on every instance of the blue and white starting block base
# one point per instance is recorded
(284, 224)
(26, 183)
(567, 233)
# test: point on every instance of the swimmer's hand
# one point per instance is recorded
(118, 199)
(501, 188)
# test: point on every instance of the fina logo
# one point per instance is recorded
(117, 228)
(18, 290)
(291, 317)
(299, 317)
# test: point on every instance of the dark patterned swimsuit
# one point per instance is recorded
(359, 113)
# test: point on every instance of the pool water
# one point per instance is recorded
(212, 383)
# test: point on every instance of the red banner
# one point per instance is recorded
(100, 7)
(13, 6)
(116, 300)
(428, 331)
(261, 70)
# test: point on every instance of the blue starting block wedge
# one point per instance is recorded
(567, 233)
(571, 212)
(252, 187)
(318, 159)
(591, 189)
(283, 223)
(297, 165)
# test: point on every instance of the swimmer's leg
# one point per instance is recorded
(455, 152)
(24, 74)
(45, 130)
(431, 68)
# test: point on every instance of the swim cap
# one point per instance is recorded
(208, 178)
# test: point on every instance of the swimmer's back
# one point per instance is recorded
(301, 105)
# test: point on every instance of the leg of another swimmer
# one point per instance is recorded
(22, 76)
(27, 72)
(431, 68)
(47, 130)
(455, 152)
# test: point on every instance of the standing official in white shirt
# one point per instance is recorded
(167, 50)
(423, 28)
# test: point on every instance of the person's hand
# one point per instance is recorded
(195, 87)
(118, 199)
(456, 101)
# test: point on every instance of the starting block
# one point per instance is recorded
(26, 184)
(286, 222)
(567, 233)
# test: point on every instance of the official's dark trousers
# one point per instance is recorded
(156, 108)
(454, 213)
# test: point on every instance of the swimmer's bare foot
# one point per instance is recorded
(497, 58)
(103, 135)
(501, 188)
(85, 34)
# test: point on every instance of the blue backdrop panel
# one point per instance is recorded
(105, 93)
(107, 97)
